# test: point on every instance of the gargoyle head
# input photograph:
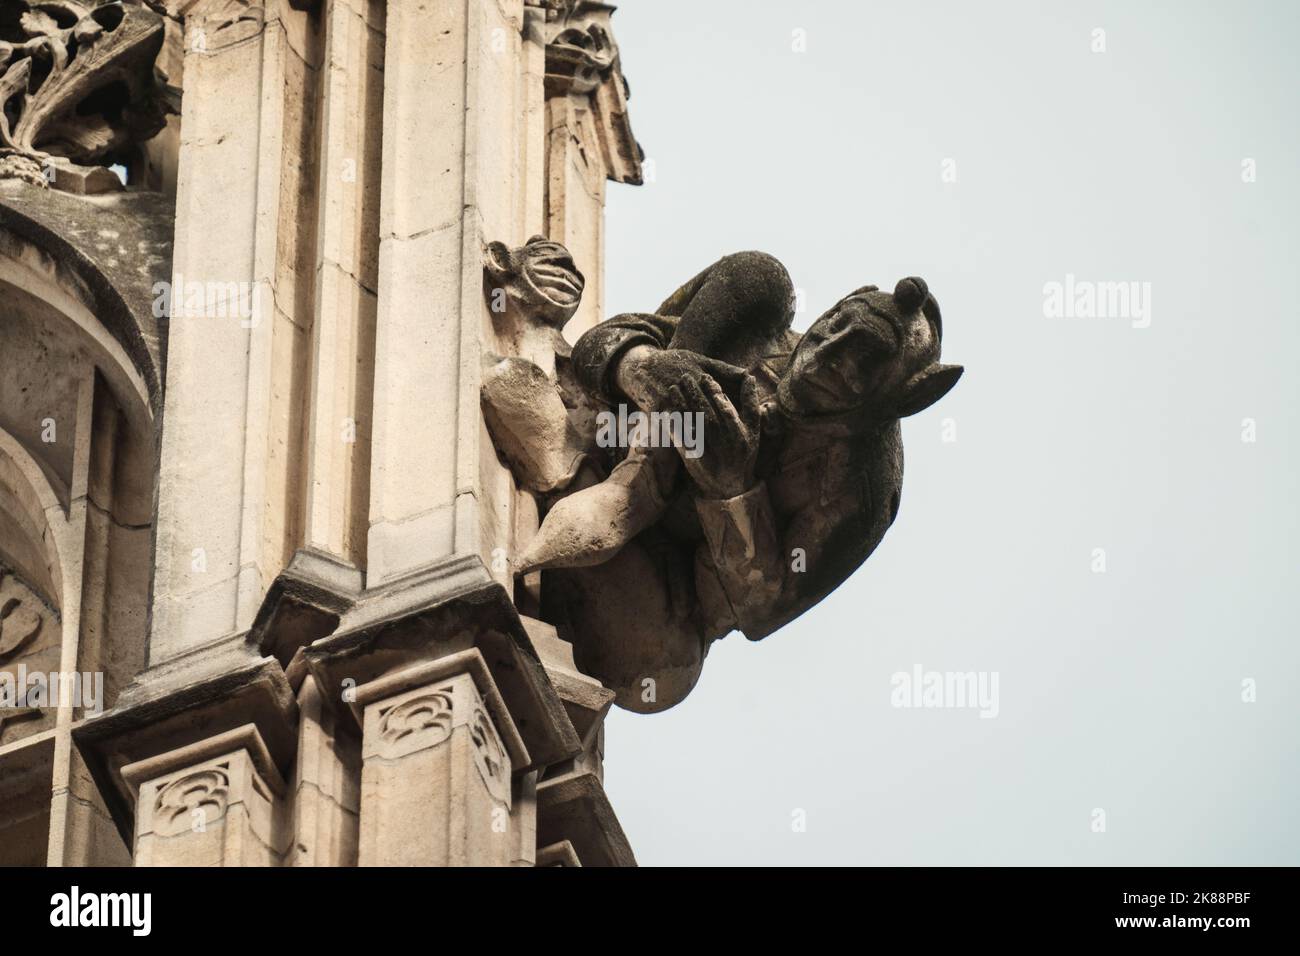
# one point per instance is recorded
(872, 357)
(539, 277)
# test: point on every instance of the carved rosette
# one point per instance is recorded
(490, 756)
(29, 635)
(424, 719)
(78, 82)
(436, 715)
(198, 798)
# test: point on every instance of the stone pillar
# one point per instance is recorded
(230, 499)
(452, 155)
(438, 748)
(214, 803)
(326, 784)
(337, 506)
(226, 508)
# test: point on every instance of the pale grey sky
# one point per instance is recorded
(1120, 691)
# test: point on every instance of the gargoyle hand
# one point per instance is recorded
(723, 463)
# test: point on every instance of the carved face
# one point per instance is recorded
(871, 351)
(550, 271)
(540, 277)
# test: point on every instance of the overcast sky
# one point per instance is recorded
(988, 148)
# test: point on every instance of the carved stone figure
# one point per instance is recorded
(77, 80)
(796, 479)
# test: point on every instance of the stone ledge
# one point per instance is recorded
(176, 706)
(575, 808)
(445, 609)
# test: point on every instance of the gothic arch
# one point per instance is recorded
(80, 380)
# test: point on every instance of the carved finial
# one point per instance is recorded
(580, 51)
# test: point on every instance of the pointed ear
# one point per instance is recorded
(926, 387)
(498, 260)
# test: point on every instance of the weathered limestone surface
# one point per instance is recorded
(436, 784)
(305, 443)
(326, 784)
(217, 803)
(764, 466)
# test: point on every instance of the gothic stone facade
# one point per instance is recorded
(247, 493)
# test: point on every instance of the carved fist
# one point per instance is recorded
(647, 375)
(724, 465)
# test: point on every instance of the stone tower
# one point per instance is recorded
(252, 523)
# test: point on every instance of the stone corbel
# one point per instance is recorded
(304, 603)
(444, 610)
(574, 809)
(188, 702)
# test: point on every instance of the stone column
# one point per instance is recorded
(438, 748)
(452, 154)
(237, 309)
(229, 504)
(214, 803)
(325, 784)
(337, 496)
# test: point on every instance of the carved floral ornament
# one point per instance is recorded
(76, 81)
(430, 713)
(201, 795)
(427, 717)
(21, 618)
(490, 756)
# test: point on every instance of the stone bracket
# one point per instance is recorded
(167, 709)
(574, 808)
(304, 603)
(450, 608)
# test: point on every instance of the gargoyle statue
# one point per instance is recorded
(652, 552)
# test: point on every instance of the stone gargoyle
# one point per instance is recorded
(703, 468)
